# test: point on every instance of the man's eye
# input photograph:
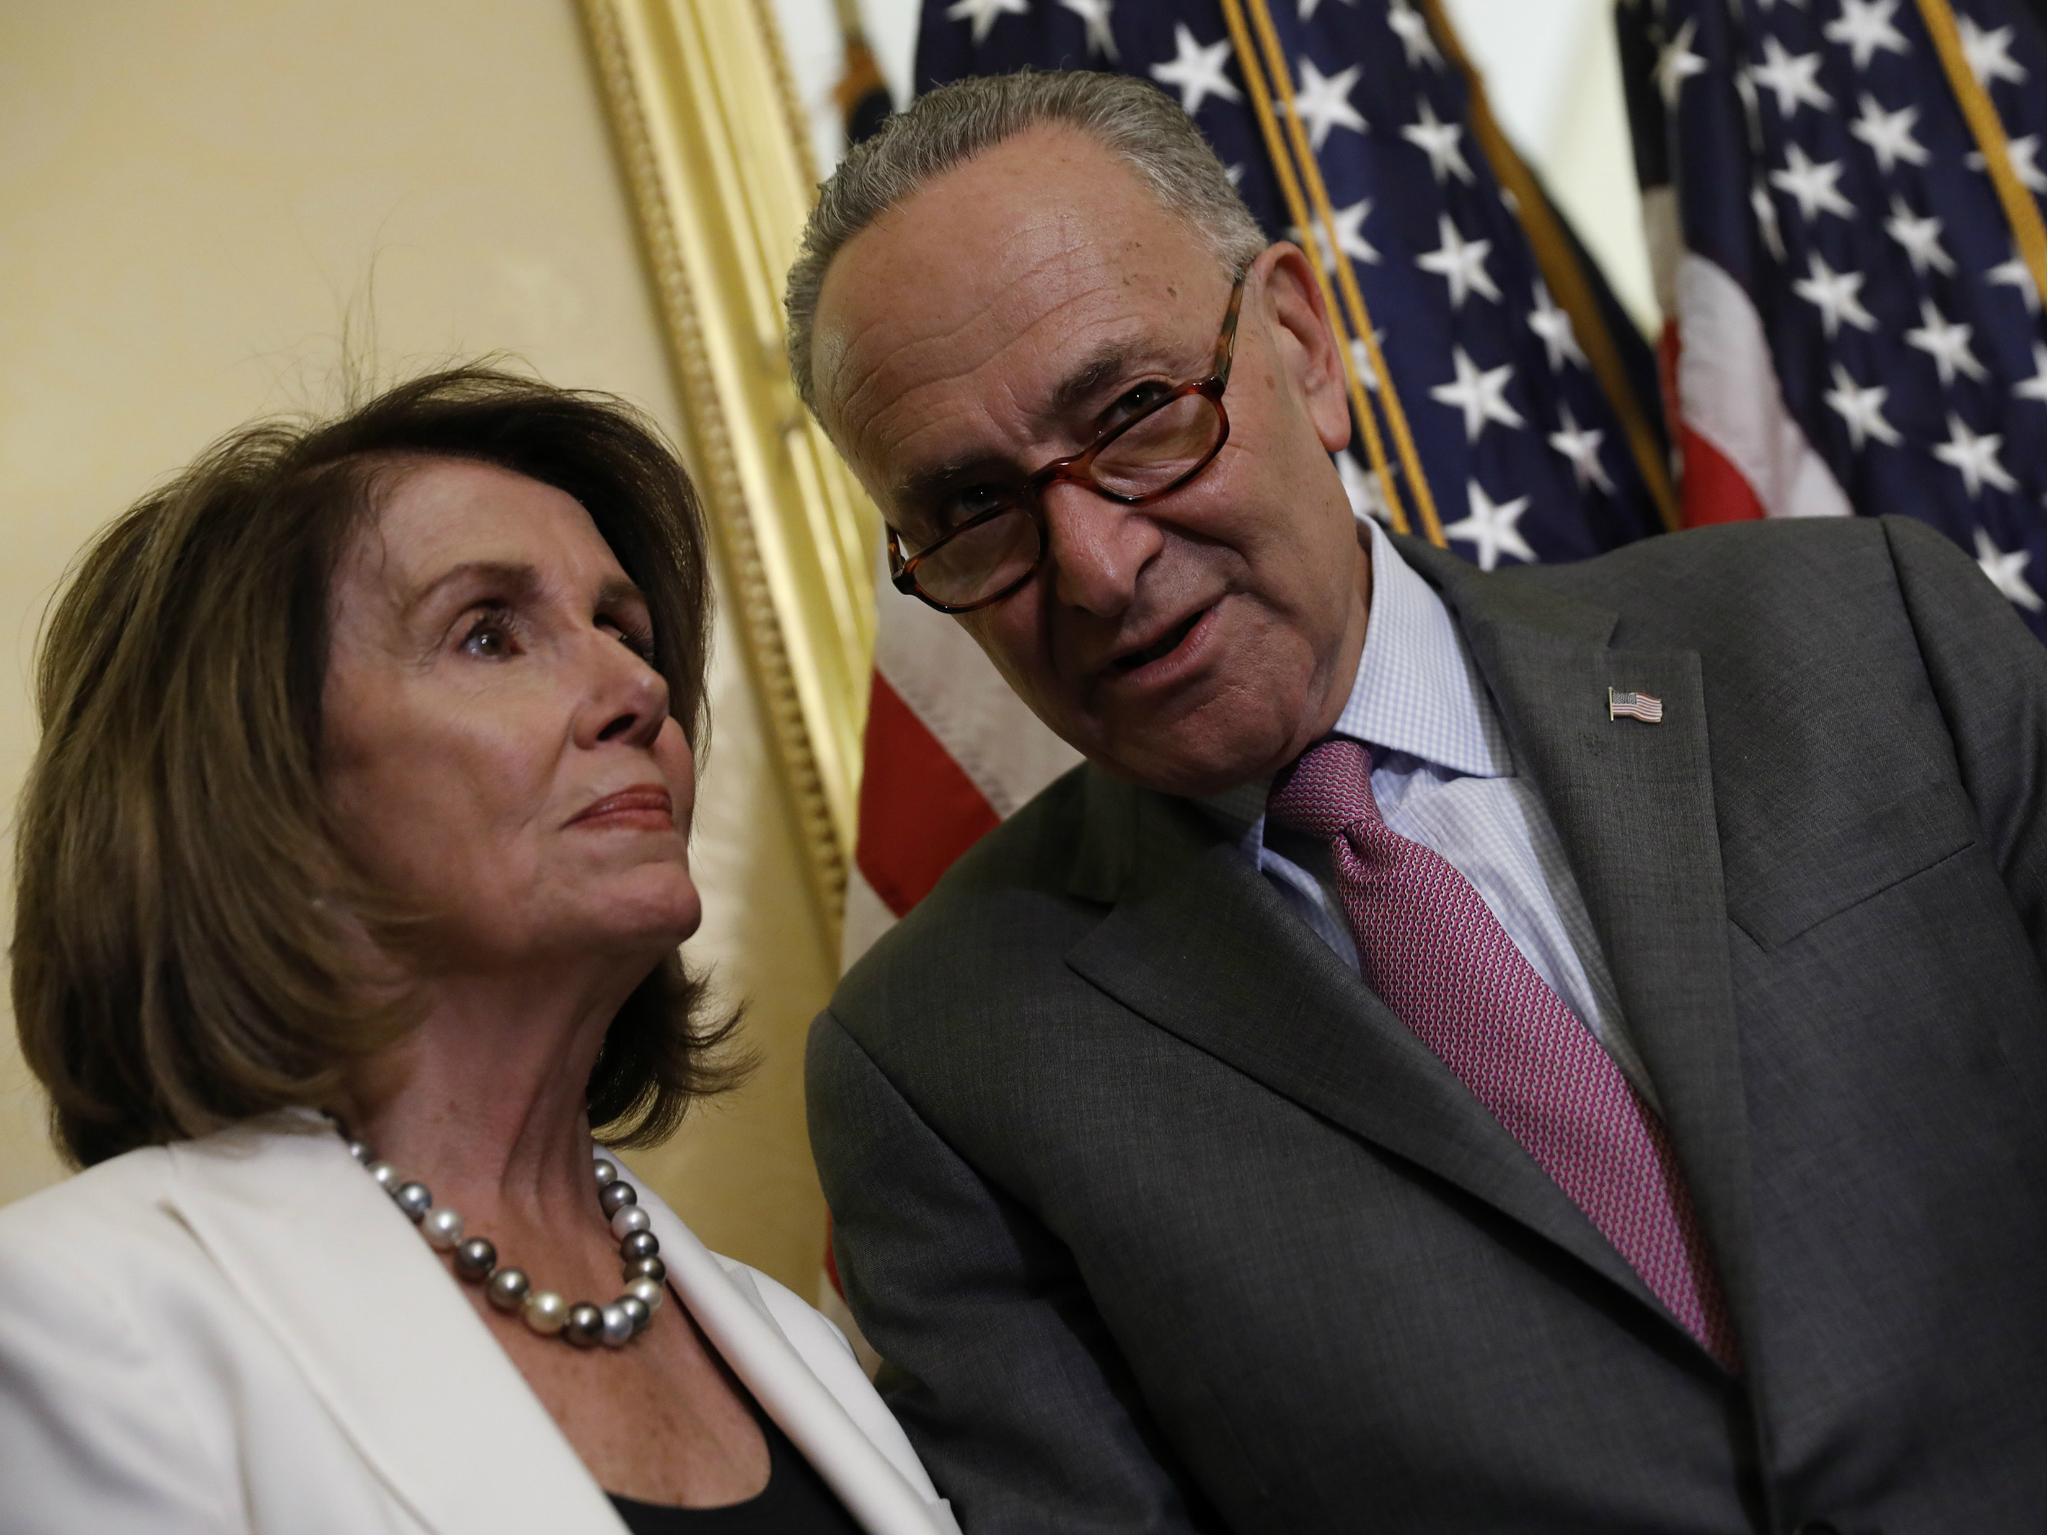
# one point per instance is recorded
(964, 506)
(1135, 402)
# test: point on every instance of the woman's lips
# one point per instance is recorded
(646, 805)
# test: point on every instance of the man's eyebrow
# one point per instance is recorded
(1087, 379)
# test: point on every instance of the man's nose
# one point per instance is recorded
(1096, 548)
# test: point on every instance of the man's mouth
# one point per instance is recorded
(1165, 645)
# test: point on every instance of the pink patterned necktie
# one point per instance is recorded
(1441, 961)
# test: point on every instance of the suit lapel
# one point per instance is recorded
(382, 1334)
(1198, 943)
(746, 1336)
(1633, 806)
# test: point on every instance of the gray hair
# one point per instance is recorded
(1130, 118)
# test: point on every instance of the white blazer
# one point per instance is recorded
(242, 1333)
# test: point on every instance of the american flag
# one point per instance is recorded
(1853, 318)
(1646, 707)
(1524, 454)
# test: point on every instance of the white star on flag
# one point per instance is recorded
(1975, 458)
(1350, 236)
(1554, 326)
(1766, 213)
(1791, 78)
(1094, 15)
(1361, 359)
(1490, 528)
(1439, 141)
(983, 13)
(1196, 72)
(1324, 101)
(1812, 186)
(2035, 388)
(1362, 487)
(1416, 43)
(1582, 447)
(1948, 343)
(1920, 238)
(1864, 27)
(2014, 273)
(1834, 295)
(1678, 63)
(1861, 410)
(1989, 53)
(1481, 393)
(1889, 134)
(2019, 154)
(1460, 262)
(1307, 10)
(2008, 572)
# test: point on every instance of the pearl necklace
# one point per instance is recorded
(583, 1324)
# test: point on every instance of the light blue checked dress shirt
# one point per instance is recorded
(1444, 776)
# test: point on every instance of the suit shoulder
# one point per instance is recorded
(121, 1198)
(1020, 865)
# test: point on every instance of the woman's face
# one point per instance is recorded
(497, 746)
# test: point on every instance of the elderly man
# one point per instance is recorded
(1560, 1048)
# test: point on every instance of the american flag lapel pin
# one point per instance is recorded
(1646, 707)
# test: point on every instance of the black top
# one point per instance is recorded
(796, 1498)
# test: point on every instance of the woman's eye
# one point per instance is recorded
(638, 641)
(489, 638)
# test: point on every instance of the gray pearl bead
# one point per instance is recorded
(627, 1220)
(616, 1194)
(585, 1325)
(647, 1292)
(476, 1258)
(413, 1198)
(508, 1289)
(360, 1151)
(606, 1170)
(545, 1311)
(443, 1228)
(649, 1268)
(638, 1313)
(639, 1245)
(383, 1173)
(618, 1327)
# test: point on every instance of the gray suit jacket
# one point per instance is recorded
(1161, 1218)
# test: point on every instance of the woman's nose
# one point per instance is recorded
(628, 697)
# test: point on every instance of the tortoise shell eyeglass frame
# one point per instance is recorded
(1028, 497)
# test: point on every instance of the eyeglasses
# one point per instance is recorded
(1140, 459)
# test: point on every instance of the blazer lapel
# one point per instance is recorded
(762, 1357)
(1633, 804)
(1198, 943)
(384, 1336)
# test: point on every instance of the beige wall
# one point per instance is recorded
(196, 197)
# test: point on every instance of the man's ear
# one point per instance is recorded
(1308, 349)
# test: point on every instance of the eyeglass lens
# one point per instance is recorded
(1152, 455)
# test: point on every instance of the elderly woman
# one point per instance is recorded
(352, 870)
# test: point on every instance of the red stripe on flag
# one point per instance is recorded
(1710, 489)
(918, 809)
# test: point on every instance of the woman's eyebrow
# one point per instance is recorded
(519, 580)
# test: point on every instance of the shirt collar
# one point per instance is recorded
(1416, 691)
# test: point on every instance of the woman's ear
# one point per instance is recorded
(1293, 302)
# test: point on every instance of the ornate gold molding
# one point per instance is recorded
(717, 162)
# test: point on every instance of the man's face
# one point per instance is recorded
(1005, 315)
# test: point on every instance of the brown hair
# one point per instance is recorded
(186, 949)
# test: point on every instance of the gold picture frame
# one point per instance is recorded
(717, 162)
